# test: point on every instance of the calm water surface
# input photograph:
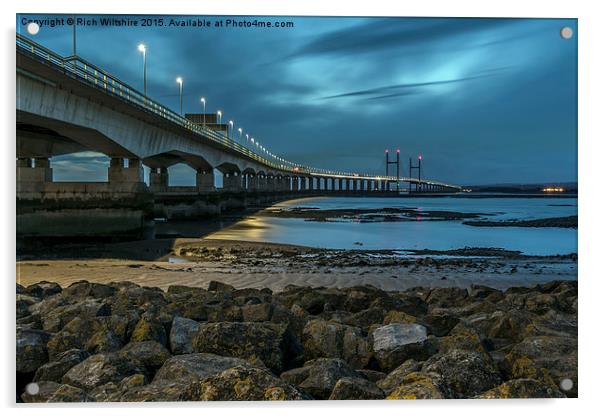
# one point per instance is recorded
(439, 235)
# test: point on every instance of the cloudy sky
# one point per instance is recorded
(484, 100)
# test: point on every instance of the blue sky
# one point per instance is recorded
(484, 100)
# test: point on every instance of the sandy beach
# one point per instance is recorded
(196, 262)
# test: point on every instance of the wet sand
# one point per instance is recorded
(196, 262)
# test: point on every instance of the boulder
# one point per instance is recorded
(318, 377)
(57, 318)
(446, 297)
(549, 359)
(398, 317)
(334, 340)
(271, 344)
(395, 377)
(69, 394)
(43, 289)
(149, 328)
(186, 368)
(100, 369)
(439, 322)
(55, 370)
(149, 354)
(466, 373)
(84, 289)
(181, 335)
(420, 386)
(45, 389)
(215, 286)
(242, 383)
(348, 388)
(393, 344)
(524, 388)
(260, 312)
(32, 351)
(365, 318)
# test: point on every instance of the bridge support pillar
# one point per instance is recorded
(232, 182)
(159, 179)
(270, 183)
(205, 181)
(370, 185)
(251, 182)
(361, 185)
(310, 184)
(30, 170)
(295, 183)
(118, 173)
(340, 185)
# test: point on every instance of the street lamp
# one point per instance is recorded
(142, 49)
(231, 123)
(180, 81)
(239, 134)
(203, 102)
(219, 116)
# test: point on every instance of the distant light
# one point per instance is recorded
(386, 150)
(203, 100)
(142, 48)
(179, 80)
(397, 150)
(419, 157)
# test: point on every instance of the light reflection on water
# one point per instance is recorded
(437, 235)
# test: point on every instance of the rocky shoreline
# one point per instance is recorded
(125, 342)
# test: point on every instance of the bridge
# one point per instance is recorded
(68, 105)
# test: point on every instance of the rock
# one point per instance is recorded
(271, 343)
(215, 286)
(186, 368)
(84, 289)
(439, 322)
(466, 373)
(334, 340)
(461, 338)
(483, 293)
(20, 289)
(393, 344)
(395, 377)
(153, 392)
(446, 297)
(420, 386)
(181, 335)
(524, 388)
(366, 317)
(372, 375)
(104, 340)
(32, 351)
(69, 394)
(318, 377)
(100, 369)
(43, 289)
(149, 354)
(243, 383)
(57, 318)
(398, 317)
(257, 313)
(55, 370)
(135, 298)
(149, 329)
(355, 389)
(549, 359)
(362, 297)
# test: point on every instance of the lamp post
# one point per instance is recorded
(219, 116)
(203, 102)
(239, 134)
(181, 82)
(231, 131)
(142, 49)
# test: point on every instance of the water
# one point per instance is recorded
(436, 235)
